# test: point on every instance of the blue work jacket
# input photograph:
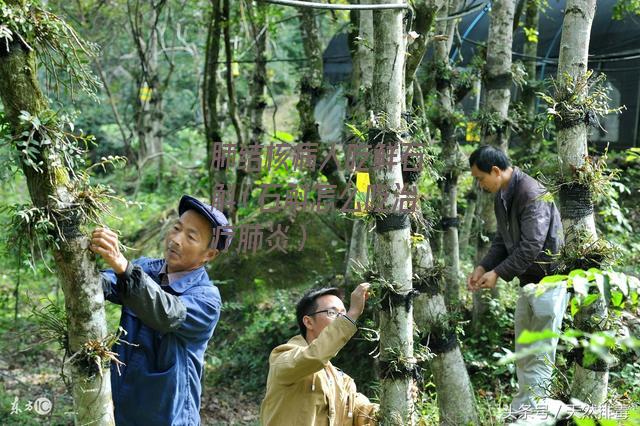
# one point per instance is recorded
(168, 328)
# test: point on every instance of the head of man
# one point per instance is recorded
(317, 309)
(491, 168)
(191, 240)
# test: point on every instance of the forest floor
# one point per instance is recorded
(30, 370)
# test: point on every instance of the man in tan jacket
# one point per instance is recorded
(303, 388)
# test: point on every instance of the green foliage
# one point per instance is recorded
(59, 46)
(571, 101)
(622, 8)
(245, 337)
(620, 294)
(51, 320)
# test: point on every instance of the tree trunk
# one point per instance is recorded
(446, 122)
(532, 138)
(456, 400)
(52, 190)
(257, 88)
(358, 103)
(149, 109)
(467, 221)
(589, 383)
(241, 174)
(498, 70)
(311, 91)
(392, 247)
(217, 172)
(498, 92)
(425, 13)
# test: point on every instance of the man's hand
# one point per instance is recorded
(488, 280)
(105, 243)
(472, 280)
(358, 298)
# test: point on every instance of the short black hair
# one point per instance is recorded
(308, 304)
(487, 156)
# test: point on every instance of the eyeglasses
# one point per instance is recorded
(331, 313)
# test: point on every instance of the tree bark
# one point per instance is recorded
(425, 13)
(217, 175)
(456, 400)
(446, 123)
(498, 70)
(392, 247)
(149, 108)
(588, 384)
(52, 189)
(532, 16)
(358, 103)
(241, 174)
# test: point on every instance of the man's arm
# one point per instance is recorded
(155, 307)
(534, 227)
(360, 408)
(364, 411)
(108, 279)
(299, 362)
(134, 289)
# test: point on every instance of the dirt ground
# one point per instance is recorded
(31, 370)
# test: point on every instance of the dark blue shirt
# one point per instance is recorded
(168, 328)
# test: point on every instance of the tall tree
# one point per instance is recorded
(57, 194)
(532, 17)
(311, 91)
(494, 127)
(234, 114)
(590, 381)
(148, 25)
(446, 122)
(213, 133)
(358, 103)
(392, 250)
(437, 329)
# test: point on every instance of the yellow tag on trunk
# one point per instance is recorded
(362, 183)
(473, 132)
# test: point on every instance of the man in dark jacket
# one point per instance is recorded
(169, 311)
(529, 231)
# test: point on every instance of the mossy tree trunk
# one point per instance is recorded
(234, 115)
(578, 221)
(52, 190)
(450, 154)
(392, 249)
(497, 87)
(437, 330)
(217, 172)
(358, 103)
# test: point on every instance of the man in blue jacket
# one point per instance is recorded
(169, 311)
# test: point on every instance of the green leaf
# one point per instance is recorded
(577, 272)
(575, 306)
(584, 421)
(553, 279)
(590, 299)
(527, 337)
(616, 298)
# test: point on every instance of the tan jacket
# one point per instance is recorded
(304, 389)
